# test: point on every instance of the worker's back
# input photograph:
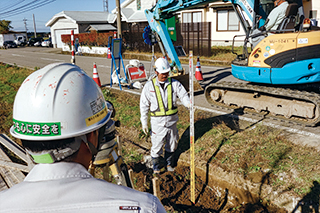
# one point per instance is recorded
(68, 187)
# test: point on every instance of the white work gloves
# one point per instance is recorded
(145, 129)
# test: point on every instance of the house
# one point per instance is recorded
(80, 22)
(225, 24)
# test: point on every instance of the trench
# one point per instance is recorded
(212, 193)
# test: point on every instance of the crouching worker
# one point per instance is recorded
(159, 96)
(58, 113)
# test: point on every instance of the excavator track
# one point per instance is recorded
(286, 105)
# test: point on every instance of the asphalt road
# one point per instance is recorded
(32, 57)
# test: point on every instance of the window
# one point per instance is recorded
(227, 20)
(193, 18)
(312, 14)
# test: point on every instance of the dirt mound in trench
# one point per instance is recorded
(175, 193)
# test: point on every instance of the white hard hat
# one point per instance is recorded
(58, 101)
(162, 65)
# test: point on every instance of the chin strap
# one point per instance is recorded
(55, 155)
(91, 147)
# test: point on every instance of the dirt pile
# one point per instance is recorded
(175, 193)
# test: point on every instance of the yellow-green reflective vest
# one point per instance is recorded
(162, 111)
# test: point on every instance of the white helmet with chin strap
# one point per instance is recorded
(162, 65)
(59, 101)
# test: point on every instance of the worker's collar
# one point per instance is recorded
(55, 171)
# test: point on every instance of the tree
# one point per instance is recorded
(5, 26)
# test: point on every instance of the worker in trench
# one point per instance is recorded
(60, 115)
(159, 96)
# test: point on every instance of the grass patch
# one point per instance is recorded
(11, 78)
(220, 55)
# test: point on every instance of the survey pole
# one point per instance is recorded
(191, 92)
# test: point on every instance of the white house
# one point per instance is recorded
(79, 21)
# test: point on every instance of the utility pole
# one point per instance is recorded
(25, 27)
(118, 18)
(34, 26)
(105, 5)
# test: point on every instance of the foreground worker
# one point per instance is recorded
(160, 96)
(59, 114)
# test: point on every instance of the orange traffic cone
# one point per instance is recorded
(95, 75)
(198, 74)
(108, 52)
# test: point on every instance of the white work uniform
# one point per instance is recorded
(163, 128)
(69, 187)
(276, 16)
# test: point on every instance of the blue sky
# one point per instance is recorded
(45, 13)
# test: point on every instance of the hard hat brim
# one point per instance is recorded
(164, 71)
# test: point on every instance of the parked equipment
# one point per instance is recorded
(20, 40)
(286, 61)
(5, 37)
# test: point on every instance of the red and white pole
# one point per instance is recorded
(73, 60)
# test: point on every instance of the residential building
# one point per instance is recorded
(79, 21)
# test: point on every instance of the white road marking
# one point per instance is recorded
(103, 66)
(52, 59)
(17, 55)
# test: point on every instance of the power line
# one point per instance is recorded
(10, 5)
(34, 4)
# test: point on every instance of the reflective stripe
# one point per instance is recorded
(44, 158)
(162, 111)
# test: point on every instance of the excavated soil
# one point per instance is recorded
(175, 193)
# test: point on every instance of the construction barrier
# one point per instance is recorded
(95, 75)
(109, 53)
(73, 60)
(198, 73)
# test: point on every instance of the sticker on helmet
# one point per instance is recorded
(37, 129)
(96, 117)
(97, 105)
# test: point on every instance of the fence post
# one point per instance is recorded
(209, 39)
(139, 34)
(198, 42)
(188, 27)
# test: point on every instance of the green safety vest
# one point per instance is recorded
(162, 111)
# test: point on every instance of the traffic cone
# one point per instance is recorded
(198, 73)
(108, 52)
(95, 75)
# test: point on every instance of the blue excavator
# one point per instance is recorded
(281, 73)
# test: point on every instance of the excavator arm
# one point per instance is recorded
(165, 9)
